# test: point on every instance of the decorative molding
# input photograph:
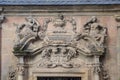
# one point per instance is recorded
(105, 73)
(12, 74)
(60, 46)
(58, 42)
(58, 2)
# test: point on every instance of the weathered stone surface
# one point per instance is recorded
(36, 69)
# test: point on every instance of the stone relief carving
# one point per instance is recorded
(92, 38)
(105, 73)
(95, 30)
(26, 33)
(59, 56)
(12, 74)
(59, 21)
(15, 71)
(59, 47)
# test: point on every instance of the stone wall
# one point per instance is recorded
(106, 15)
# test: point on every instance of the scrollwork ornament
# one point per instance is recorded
(105, 73)
(12, 74)
(59, 46)
(26, 33)
(20, 69)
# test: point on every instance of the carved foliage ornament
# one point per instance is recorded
(59, 45)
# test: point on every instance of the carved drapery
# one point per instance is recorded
(61, 47)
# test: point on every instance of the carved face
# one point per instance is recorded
(94, 19)
(29, 19)
(93, 27)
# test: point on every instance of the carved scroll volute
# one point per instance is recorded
(61, 46)
(88, 42)
(26, 33)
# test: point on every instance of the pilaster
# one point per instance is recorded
(20, 68)
(118, 42)
(2, 17)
